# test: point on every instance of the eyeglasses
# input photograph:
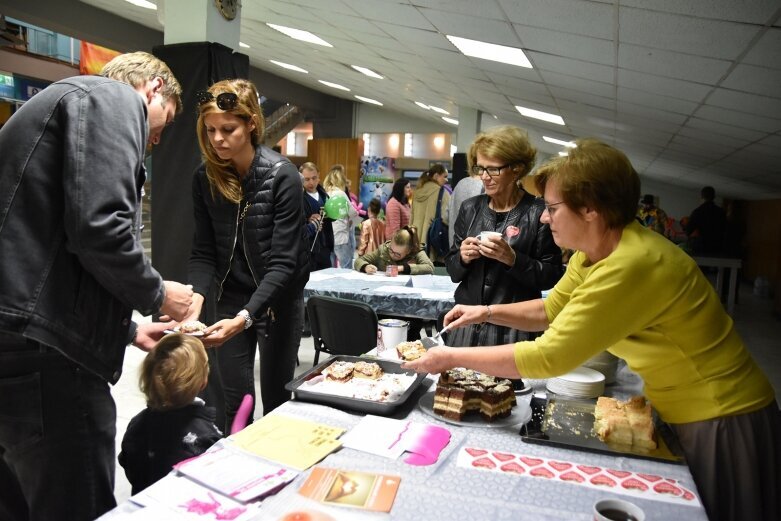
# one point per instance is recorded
(550, 208)
(492, 171)
(394, 253)
(225, 101)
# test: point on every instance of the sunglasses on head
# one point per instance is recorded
(225, 101)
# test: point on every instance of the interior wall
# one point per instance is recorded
(763, 240)
(676, 201)
(373, 119)
(328, 152)
(35, 67)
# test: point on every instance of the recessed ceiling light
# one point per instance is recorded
(491, 51)
(422, 105)
(450, 120)
(334, 85)
(143, 3)
(561, 142)
(367, 72)
(369, 100)
(242, 44)
(288, 66)
(538, 114)
(437, 109)
(298, 34)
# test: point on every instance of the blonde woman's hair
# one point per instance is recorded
(137, 68)
(221, 174)
(594, 175)
(174, 372)
(335, 179)
(508, 144)
(407, 237)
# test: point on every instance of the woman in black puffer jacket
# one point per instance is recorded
(249, 253)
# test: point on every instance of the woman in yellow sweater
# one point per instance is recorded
(634, 293)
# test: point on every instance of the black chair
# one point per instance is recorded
(341, 326)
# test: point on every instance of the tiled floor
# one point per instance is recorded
(760, 330)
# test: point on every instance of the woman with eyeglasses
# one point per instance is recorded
(521, 259)
(249, 248)
(632, 292)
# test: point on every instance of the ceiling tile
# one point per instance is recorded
(739, 119)
(597, 88)
(672, 64)
(699, 36)
(574, 46)
(568, 16)
(757, 80)
(655, 102)
(664, 86)
(743, 101)
(581, 69)
(470, 26)
(389, 12)
(766, 51)
(754, 11)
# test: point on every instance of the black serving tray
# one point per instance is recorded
(568, 423)
(355, 404)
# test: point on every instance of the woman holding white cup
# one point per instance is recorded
(501, 251)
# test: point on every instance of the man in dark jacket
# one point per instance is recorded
(73, 270)
(319, 230)
(706, 225)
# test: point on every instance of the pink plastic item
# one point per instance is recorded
(242, 415)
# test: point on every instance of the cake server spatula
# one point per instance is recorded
(436, 340)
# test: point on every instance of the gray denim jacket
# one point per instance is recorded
(71, 266)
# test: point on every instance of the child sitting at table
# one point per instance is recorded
(402, 251)
(176, 424)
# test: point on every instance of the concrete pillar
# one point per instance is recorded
(468, 127)
(200, 21)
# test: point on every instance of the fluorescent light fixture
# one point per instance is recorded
(491, 51)
(563, 154)
(453, 149)
(366, 71)
(450, 120)
(422, 105)
(298, 34)
(568, 144)
(334, 85)
(437, 109)
(288, 66)
(368, 100)
(538, 114)
(143, 3)
(242, 44)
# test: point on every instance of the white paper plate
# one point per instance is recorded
(176, 330)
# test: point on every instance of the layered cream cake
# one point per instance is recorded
(628, 423)
(460, 391)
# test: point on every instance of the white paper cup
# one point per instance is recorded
(485, 235)
(617, 510)
(390, 333)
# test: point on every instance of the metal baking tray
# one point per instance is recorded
(355, 404)
(569, 423)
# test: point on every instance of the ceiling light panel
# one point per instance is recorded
(334, 85)
(538, 114)
(368, 100)
(298, 34)
(568, 144)
(289, 66)
(367, 72)
(491, 51)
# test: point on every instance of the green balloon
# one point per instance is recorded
(336, 207)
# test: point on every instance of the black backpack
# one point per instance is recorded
(436, 239)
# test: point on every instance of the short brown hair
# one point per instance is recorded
(308, 166)
(595, 175)
(506, 143)
(174, 372)
(136, 68)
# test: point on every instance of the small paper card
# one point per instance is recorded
(289, 441)
(351, 489)
(235, 473)
(390, 438)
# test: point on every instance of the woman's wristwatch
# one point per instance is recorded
(247, 318)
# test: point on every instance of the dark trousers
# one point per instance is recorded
(57, 435)
(277, 334)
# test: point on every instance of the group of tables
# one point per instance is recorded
(447, 490)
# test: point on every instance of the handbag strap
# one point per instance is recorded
(439, 203)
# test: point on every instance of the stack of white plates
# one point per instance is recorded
(579, 383)
(605, 363)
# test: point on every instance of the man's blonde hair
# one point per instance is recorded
(136, 68)
(174, 372)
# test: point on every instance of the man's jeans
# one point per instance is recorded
(57, 435)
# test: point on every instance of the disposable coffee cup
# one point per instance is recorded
(390, 333)
(617, 510)
(485, 235)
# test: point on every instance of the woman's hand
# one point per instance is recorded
(498, 249)
(371, 269)
(147, 335)
(435, 360)
(222, 331)
(462, 315)
(470, 249)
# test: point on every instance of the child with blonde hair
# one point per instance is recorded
(176, 424)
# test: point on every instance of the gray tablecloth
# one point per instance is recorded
(404, 305)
